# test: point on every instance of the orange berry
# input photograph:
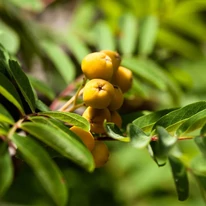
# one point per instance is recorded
(116, 118)
(86, 137)
(98, 93)
(96, 118)
(117, 99)
(100, 154)
(123, 78)
(97, 65)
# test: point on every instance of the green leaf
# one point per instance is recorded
(42, 87)
(23, 83)
(70, 118)
(180, 178)
(104, 38)
(6, 168)
(195, 122)
(174, 118)
(5, 115)
(129, 31)
(114, 132)
(203, 131)
(65, 144)
(62, 62)
(138, 138)
(146, 122)
(44, 168)
(9, 92)
(147, 36)
(201, 143)
(41, 106)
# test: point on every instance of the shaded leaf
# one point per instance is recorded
(70, 118)
(41, 106)
(65, 144)
(203, 131)
(195, 122)
(6, 168)
(44, 168)
(128, 36)
(114, 132)
(201, 143)
(180, 178)
(62, 62)
(23, 83)
(5, 115)
(147, 36)
(138, 138)
(9, 92)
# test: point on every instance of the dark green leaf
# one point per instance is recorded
(114, 132)
(128, 37)
(147, 37)
(104, 37)
(138, 138)
(62, 62)
(174, 118)
(6, 168)
(201, 143)
(41, 106)
(42, 88)
(9, 92)
(65, 144)
(146, 122)
(203, 131)
(180, 178)
(193, 123)
(23, 83)
(45, 169)
(5, 115)
(70, 118)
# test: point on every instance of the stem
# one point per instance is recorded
(74, 107)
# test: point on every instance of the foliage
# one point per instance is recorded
(161, 42)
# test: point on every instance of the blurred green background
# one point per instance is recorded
(162, 41)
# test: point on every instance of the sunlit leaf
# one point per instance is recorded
(70, 118)
(9, 92)
(65, 144)
(128, 35)
(62, 62)
(138, 138)
(44, 168)
(5, 115)
(23, 83)
(6, 168)
(114, 132)
(180, 178)
(147, 36)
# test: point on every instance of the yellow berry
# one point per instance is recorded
(116, 118)
(115, 57)
(86, 137)
(98, 93)
(96, 118)
(100, 154)
(97, 65)
(117, 99)
(123, 78)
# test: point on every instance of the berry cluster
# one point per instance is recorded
(103, 96)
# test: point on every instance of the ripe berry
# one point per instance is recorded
(96, 118)
(97, 65)
(98, 93)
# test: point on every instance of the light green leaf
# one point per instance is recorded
(62, 62)
(42, 87)
(65, 144)
(70, 118)
(41, 106)
(114, 132)
(6, 168)
(5, 115)
(44, 168)
(147, 36)
(180, 178)
(129, 32)
(195, 122)
(138, 138)
(23, 83)
(9, 92)
(177, 117)
(104, 37)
